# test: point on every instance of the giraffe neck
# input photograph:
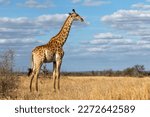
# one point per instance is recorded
(61, 37)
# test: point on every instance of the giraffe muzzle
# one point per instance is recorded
(82, 20)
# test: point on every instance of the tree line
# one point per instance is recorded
(135, 71)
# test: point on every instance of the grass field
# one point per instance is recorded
(87, 88)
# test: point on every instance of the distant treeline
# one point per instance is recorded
(135, 71)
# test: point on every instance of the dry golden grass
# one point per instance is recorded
(88, 88)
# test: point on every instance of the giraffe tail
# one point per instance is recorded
(30, 70)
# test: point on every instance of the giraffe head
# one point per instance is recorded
(76, 16)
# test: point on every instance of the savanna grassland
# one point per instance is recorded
(86, 88)
(96, 85)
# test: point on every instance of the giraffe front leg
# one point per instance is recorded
(58, 66)
(54, 76)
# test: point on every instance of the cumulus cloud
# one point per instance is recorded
(116, 44)
(37, 4)
(135, 22)
(23, 28)
(127, 18)
(108, 42)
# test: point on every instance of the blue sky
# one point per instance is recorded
(115, 34)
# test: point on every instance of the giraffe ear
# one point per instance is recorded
(69, 13)
(73, 10)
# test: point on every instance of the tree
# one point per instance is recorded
(7, 61)
(139, 68)
(137, 71)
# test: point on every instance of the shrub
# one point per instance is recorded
(8, 86)
(8, 80)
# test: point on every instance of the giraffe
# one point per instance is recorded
(52, 52)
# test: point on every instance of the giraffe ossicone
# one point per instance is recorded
(52, 52)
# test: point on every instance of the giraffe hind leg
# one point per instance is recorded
(37, 74)
(32, 76)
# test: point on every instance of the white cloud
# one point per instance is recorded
(37, 4)
(107, 36)
(51, 20)
(19, 42)
(132, 21)
(99, 41)
(25, 27)
(120, 45)
(134, 24)
(97, 49)
(141, 6)
(109, 43)
(10, 33)
(127, 17)
(121, 41)
(22, 31)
